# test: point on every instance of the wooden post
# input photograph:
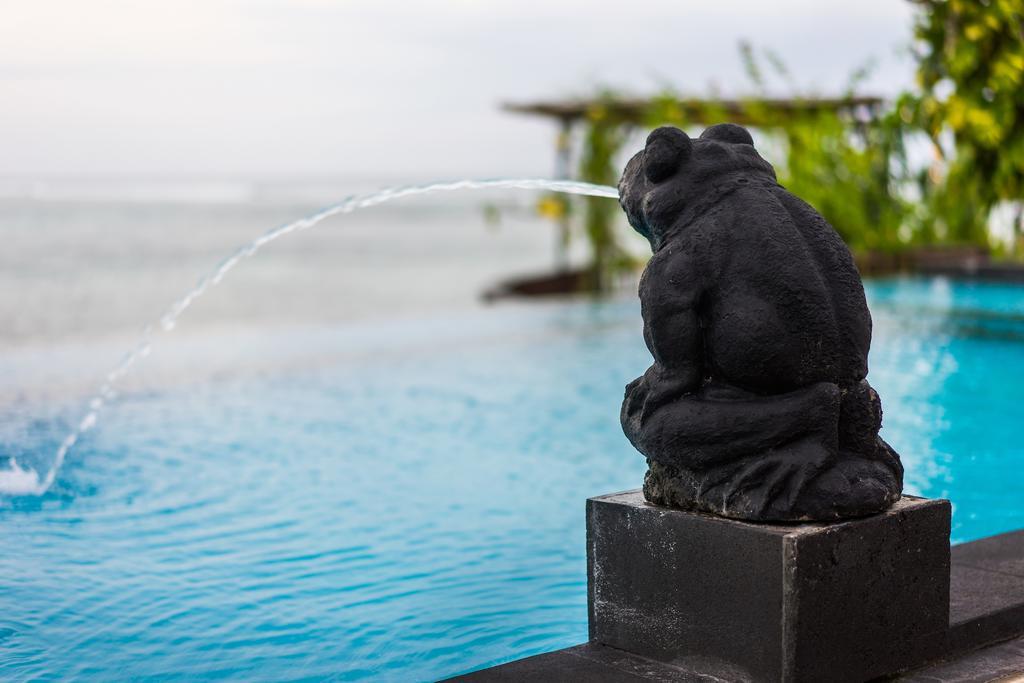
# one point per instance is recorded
(563, 158)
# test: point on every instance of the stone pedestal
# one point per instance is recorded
(847, 601)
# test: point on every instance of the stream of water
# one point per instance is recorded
(18, 480)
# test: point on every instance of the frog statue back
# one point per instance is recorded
(756, 406)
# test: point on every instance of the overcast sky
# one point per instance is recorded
(296, 89)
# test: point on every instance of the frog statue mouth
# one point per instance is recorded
(756, 406)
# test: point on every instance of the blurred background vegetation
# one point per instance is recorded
(965, 118)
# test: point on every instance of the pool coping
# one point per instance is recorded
(985, 640)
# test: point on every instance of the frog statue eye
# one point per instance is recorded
(667, 148)
(728, 132)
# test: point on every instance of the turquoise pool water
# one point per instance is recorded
(406, 503)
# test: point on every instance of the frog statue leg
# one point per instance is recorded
(783, 457)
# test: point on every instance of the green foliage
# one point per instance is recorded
(842, 166)
(970, 102)
(604, 137)
(850, 163)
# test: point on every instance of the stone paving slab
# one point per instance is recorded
(1003, 553)
(1003, 663)
(985, 607)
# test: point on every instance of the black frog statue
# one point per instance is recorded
(756, 406)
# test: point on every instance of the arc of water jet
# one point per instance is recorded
(26, 481)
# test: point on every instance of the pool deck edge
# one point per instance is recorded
(985, 640)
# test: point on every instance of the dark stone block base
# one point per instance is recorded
(758, 602)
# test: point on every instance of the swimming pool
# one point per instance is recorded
(404, 500)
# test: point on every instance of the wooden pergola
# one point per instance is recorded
(633, 110)
(566, 113)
